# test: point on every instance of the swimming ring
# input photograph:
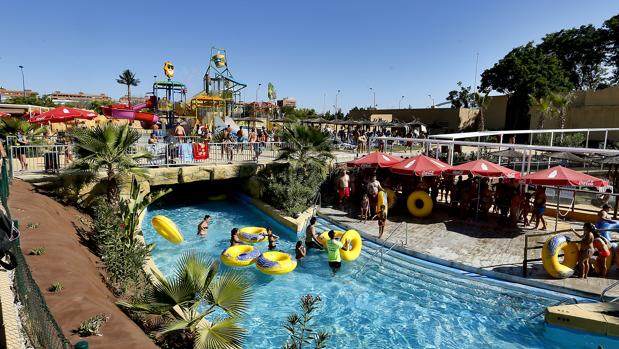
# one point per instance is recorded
(167, 229)
(252, 234)
(276, 263)
(382, 200)
(419, 204)
(239, 255)
(350, 238)
(391, 198)
(550, 256)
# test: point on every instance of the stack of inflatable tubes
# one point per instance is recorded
(167, 229)
(276, 263)
(252, 234)
(351, 239)
(558, 244)
(391, 198)
(239, 255)
(382, 199)
(419, 204)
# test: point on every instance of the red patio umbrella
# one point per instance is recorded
(483, 168)
(4, 115)
(62, 114)
(375, 159)
(420, 165)
(561, 176)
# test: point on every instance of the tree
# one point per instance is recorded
(544, 107)
(307, 146)
(525, 71)
(300, 327)
(482, 101)
(109, 147)
(561, 103)
(10, 126)
(611, 32)
(582, 52)
(128, 78)
(196, 285)
(461, 98)
(32, 99)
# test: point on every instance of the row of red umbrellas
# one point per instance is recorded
(422, 165)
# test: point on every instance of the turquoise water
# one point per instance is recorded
(399, 304)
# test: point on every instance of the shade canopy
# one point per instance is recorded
(375, 159)
(507, 153)
(420, 165)
(562, 176)
(62, 114)
(483, 168)
(563, 155)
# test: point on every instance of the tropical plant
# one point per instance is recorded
(92, 326)
(111, 148)
(305, 146)
(289, 189)
(10, 126)
(544, 107)
(301, 327)
(56, 287)
(128, 78)
(196, 285)
(32, 99)
(561, 103)
(482, 101)
(462, 98)
(37, 251)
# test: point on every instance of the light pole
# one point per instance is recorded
(374, 92)
(400, 102)
(432, 100)
(23, 81)
(336, 95)
(256, 109)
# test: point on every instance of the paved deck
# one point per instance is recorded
(472, 244)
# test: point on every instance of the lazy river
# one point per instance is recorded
(401, 303)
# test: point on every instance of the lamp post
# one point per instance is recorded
(374, 92)
(400, 102)
(256, 108)
(432, 100)
(336, 95)
(23, 81)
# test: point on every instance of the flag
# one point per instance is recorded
(271, 93)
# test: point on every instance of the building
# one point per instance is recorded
(134, 99)
(287, 102)
(5, 94)
(65, 97)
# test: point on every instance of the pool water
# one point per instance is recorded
(401, 303)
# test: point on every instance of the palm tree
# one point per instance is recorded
(561, 103)
(482, 101)
(10, 126)
(128, 78)
(545, 107)
(307, 147)
(195, 284)
(111, 148)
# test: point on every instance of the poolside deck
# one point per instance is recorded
(475, 245)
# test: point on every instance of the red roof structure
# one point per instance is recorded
(483, 168)
(420, 165)
(561, 176)
(375, 159)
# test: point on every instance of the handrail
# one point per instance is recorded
(615, 284)
(381, 248)
(561, 302)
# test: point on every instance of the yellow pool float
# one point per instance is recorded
(550, 256)
(276, 263)
(382, 200)
(351, 239)
(167, 229)
(419, 204)
(391, 198)
(252, 234)
(239, 255)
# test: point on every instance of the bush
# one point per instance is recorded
(288, 189)
(37, 251)
(300, 327)
(569, 139)
(56, 287)
(92, 326)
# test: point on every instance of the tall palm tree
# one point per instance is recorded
(110, 148)
(306, 147)
(561, 103)
(545, 107)
(482, 101)
(128, 78)
(195, 285)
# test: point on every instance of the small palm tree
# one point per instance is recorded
(195, 285)
(561, 103)
(10, 126)
(110, 148)
(482, 101)
(128, 78)
(545, 108)
(307, 147)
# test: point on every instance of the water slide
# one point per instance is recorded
(122, 111)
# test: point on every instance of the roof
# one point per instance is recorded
(169, 83)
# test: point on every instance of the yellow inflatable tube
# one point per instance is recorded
(419, 204)
(239, 255)
(382, 200)
(391, 198)
(550, 256)
(167, 229)
(351, 240)
(276, 263)
(252, 234)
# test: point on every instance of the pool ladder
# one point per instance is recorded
(569, 300)
(608, 289)
(383, 250)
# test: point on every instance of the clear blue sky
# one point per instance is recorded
(305, 48)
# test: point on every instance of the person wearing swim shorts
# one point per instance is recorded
(586, 249)
(539, 206)
(343, 187)
(333, 250)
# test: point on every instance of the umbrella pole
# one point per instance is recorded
(478, 198)
(557, 213)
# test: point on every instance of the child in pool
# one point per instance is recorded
(272, 239)
(234, 237)
(299, 250)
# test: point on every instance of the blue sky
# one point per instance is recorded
(305, 48)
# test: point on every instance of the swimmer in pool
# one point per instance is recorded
(203, 226)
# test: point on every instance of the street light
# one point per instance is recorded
(400, 102)
(432, 100)
(256, 109)
(336, 95)
(23, 81)
(374, 92)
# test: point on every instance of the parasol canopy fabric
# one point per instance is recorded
(375, 159)
(508, 153)
(483, 168)
(565, 156)
(420, 165)
(562, 176)
(62, 114)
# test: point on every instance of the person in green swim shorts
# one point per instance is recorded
(333, 250)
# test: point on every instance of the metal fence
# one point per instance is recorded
(38, 322)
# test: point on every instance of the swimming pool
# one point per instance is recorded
(401, 303)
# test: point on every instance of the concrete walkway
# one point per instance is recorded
(476, 245)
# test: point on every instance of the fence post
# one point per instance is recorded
(524, 261)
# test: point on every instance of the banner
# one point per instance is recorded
(271, 93)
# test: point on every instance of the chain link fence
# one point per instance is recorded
(37, 321)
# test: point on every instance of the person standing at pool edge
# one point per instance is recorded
(333, 250)
(203, 226)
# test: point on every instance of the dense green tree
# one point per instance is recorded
(462, 97)
(128, 78)
(611, 30)
(43, 101)
(299, 114)
(582, 52)
(525, 71)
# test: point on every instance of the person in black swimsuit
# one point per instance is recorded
(272, 239)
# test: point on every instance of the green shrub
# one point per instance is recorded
(56, 287)
(288, 189)
(300, 327)
(569, 139)
(92, 326)
(37, 251)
